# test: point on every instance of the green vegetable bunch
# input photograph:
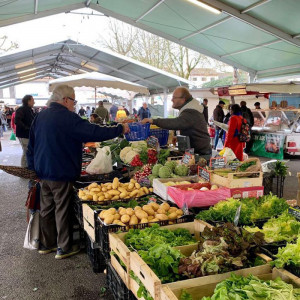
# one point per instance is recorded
(163, 260)
(288, 255)
(252, 288)
(154, 235)
(283, 228)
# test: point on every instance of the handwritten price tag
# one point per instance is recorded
(218, 162)
(204, 173)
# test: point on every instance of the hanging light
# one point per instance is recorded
(205, 6)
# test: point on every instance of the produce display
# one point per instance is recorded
(252, 209)
(252, 288)
(148, 213)
(222, 249)
(169, 170)
(145, 239)
(288, 256)
(283, 228)
(113, 191)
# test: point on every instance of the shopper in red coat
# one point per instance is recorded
(232, 139)
(13, 125)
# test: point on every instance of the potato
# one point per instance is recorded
(101, 215)
(149, 210)
(84, 198)
(172, 209)
(150, 218)
(131, 186)
(165, 206)
(117, 217)
(116, 222)
(161, 211)
(92, 185)
(154, 220)
(125, 218)
(146, 191)
(179, 212)
(92, 193)
(133, 220)
(89, 197)
(115, 183)
(161, 217)
(140, 193)
(95, 190)
(141, 214)
(122, 190)
(109, 187)
(107, 196)
(80, 193)
(112, 210)
(129, 211)
(122, 211)
(137, 208)
(137, 185)
(123, 195)
(115, 198)
(104, 189)
(154, 205)
(95, 197)
(151, 190)
(173, 216)
(134, 193)
(144, 220)
(114, 193)
(101, 198)
(132, 181)
(109, 219)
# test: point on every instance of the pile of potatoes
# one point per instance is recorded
(113, 191)
(151, 212)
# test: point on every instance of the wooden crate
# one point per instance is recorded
(231, 182)
(117, 245)
(90, 230)
(206, 286)
(88, 214)
(124, 274)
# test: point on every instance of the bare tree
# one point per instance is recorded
(6, 45)
(151, 49)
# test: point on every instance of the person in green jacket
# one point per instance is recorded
(102, 112)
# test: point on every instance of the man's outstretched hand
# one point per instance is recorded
(147, 120)
(125, 128)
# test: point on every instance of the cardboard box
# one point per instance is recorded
(247, 192)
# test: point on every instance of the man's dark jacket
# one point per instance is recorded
(218, 115)
(191, 123)
(23, 120)
(55, 142)
(205, 112)
(248, 115)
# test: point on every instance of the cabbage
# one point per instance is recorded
(181, 170)
(171, 164)
(156, 168)
(164, 172)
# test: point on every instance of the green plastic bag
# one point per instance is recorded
(12, 136)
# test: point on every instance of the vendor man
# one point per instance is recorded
(55, 153)
(190, 122)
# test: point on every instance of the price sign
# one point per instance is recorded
(234, 164)
(217, 162)
(187, 157)
(204, 173)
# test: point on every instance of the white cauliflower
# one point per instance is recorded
(130, 155)
(123, 153)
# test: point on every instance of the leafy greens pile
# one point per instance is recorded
(252, 209)
(283, 228)
(154, 235)
(288, 256)
(221, 249)
(252, 288)
(163, 260)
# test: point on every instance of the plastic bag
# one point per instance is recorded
(198, 198)
(228, 153)
(220, 144)
(31, 240)
(102, 163)
(12, 136)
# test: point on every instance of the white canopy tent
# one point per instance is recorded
(98, 80)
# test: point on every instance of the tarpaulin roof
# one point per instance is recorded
(258, 36)
(70, 58)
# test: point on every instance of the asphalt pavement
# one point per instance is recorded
(25, 274)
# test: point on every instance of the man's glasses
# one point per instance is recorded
(75, 101)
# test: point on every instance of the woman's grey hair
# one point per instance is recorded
(60, 92)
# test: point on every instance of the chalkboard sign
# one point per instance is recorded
(218, 162)
(204, 173)
(234, 164)
(188, 156)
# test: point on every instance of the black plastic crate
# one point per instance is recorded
(293, 269)
(95, 256)
(104, 230)
(295, 211)
(271, 249)
(116, 285)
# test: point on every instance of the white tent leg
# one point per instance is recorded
(165, 103)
